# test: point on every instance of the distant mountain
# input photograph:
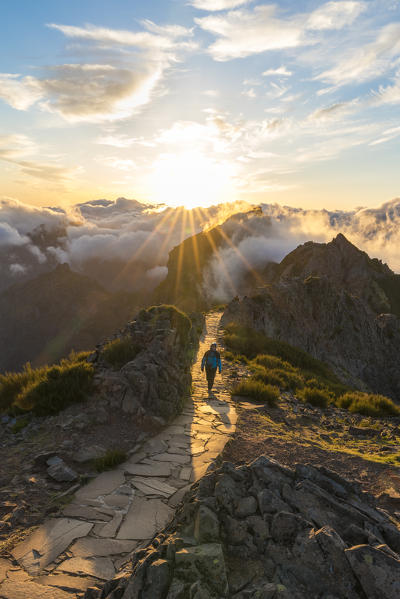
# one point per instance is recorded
(44, 318)
(336, 303)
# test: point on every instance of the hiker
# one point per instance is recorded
(211, 361)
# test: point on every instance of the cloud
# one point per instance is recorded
(215, 5)
(335, 111)
(335, 15)
(244, 32)
(367, 62)
(281, 229)
(389, 94)
(281, 71)
(116, 89)
(19, 92)
(9, 236)
(17, 269)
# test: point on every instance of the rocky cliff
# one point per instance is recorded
(336, 303)
(266, 531)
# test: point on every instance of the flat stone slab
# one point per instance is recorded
(154, 485)
(5, 565)
(47, 542)
(120, 501)
(175, 500)
(104, 484)
(89, 546)
(109, 530)
(144, 519)
(86, 513)
(12, 589)
(148, 470)
(172, 457)
(98, 567)
(65, 582)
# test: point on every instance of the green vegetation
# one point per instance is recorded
(278, 364)
(20, 425)
(368, 404)
(48, 389)
(120, 351)
(258, 391)
(316, 397)
(109, 460)
(251, 343)
(179, 320)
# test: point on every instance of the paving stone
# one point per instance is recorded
(176, 499)
(109, 530)
(104, 484)
(48, 542)
(11, 589)
(144, 519)
(85, 513)
(89, 546)
(98, 567)
(18, 574)
(172, 457)
(68, 583)
(155, 485)
(120, 501)
(153, 469)
(186, 473)
(155, 446)
(5, 565)
(184, 419)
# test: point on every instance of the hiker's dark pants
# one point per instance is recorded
(210, 373)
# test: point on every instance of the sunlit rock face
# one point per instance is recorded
(336, 303)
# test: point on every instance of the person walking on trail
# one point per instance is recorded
(211, 361)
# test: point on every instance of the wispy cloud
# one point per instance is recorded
(215, 5)
(368, 61)
(87, 92)
(244, 32)
(280, 71)
(335, 15)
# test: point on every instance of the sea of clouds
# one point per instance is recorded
(129, 233)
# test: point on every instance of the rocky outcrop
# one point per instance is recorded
(153, 384)
(327, 300)
(266, 531)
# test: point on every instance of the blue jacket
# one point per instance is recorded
(211, 359)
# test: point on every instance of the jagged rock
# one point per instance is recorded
(343, 309)
(84, 454)
(212, 550)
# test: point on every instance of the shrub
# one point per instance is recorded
(61, 385)
(48, 389)
(316, 397)
(120, 351)
(270, 377)
(257, 390)
(272, 362)
(247, 341)
(228, 355)
(109, 460)
(368, 404)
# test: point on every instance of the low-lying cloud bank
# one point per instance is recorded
(125, 244)
(280, 229)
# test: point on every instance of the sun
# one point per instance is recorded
(192, 179)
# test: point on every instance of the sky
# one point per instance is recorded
(201, 101)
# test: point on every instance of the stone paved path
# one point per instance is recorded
(121, 509)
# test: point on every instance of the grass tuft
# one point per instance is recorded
(120, 351)
(368, 404)
(111, 459)
(258, 391)
(48, 389)
(316, 397)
